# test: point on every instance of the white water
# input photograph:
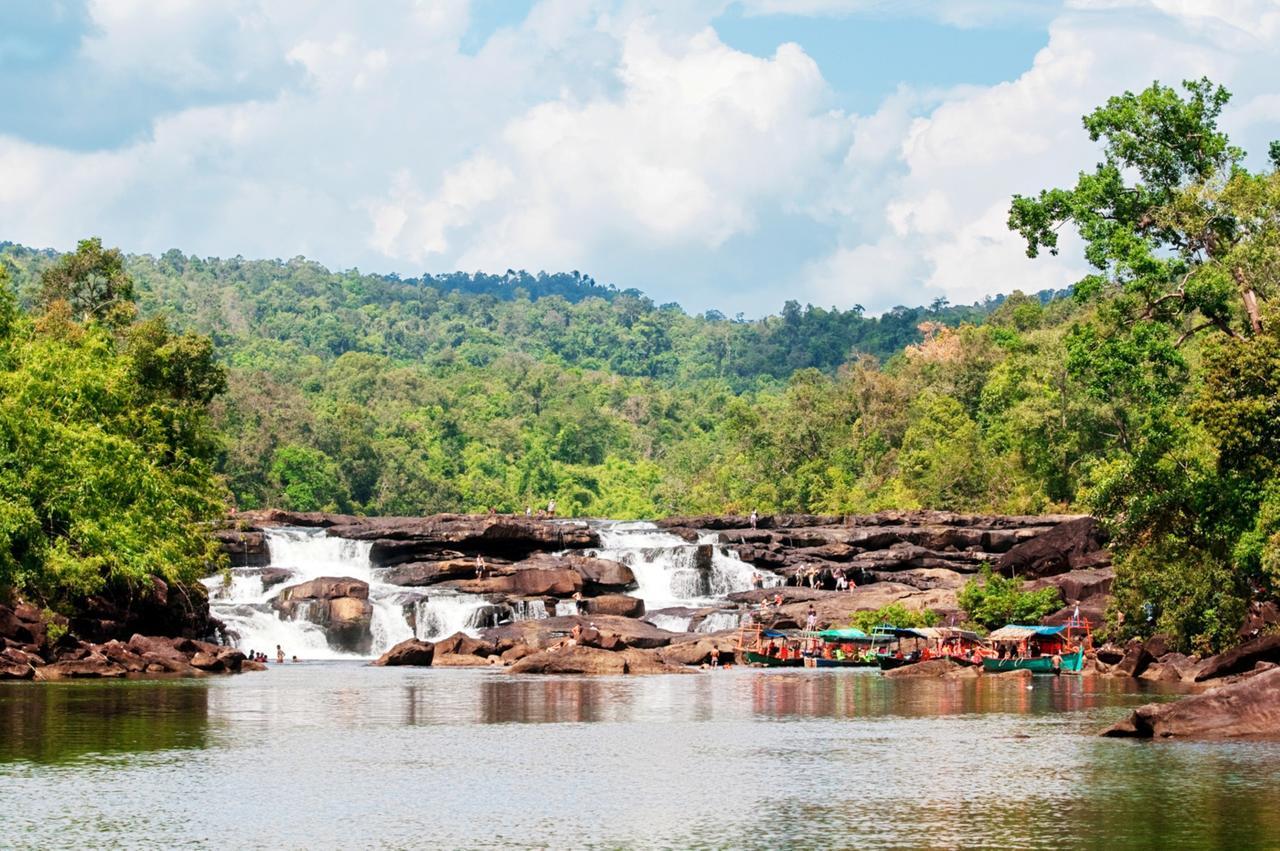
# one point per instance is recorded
(245, 606)
(664, 566)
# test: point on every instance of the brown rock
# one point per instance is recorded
(326, 588)
(206, 662)
(616, 604)
(464, 645)
(408, 652)
(1056, 551)
(490, 534)
(1248, 708)
(1242, 658)
(572, 660)
(929, 668)
(92, 667)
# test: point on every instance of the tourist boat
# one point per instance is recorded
(962, 646)
(889, 659)
(844, 648)
(1039, 649)
(768, 648)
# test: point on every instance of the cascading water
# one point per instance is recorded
(666, 566)
(244, 603)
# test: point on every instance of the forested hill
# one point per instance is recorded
(270, 312)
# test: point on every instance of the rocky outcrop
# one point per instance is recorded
(1248, 708)
(408, 652)
(397, 540)
(27, 653)
(1241, 659)
(549, 631)
(1068, 546)
(615, 604)
(578, 659)
(153, 607)
(339, 604)
(244, 548)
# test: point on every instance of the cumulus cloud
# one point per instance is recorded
(619, 137)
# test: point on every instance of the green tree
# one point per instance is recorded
(93, 282)
(308, 480)
(992, 601)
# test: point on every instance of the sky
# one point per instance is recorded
(726, 154)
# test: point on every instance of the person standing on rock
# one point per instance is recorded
(551, 507)
(755, 518)
(480, 567)
(811, 621)
(715, 657)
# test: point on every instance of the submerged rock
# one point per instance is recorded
(928, 668)
(1247, 708)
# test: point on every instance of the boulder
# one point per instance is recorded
(1057, 550)
(340, 605)
(325, 588)
(648, 662)
(545, 632)
(572, 659)
(1135, 661)
(93, 666)
(928, 668)
(616, 604)
(462, 644)
(244, 548)
(1078, 585)
(1247, 708)
(411, 651)
(1241, 659)
(698, 652)
(206, 662)
(420, 573)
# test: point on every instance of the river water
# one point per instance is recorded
(341, 755)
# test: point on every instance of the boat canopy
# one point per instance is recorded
(849, 634)
(1019, 632)
(947, 632)
(897, 631)
(773, 633)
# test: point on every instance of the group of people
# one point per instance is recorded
(255, 656)
(816, 577)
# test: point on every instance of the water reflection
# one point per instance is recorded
(750, 759)
(61, 722)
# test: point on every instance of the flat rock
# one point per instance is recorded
(1241, 659)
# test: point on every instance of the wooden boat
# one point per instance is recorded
(753, 658)
(1039, 649)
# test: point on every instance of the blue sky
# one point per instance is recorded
(726, 154)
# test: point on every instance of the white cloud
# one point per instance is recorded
(619, 137)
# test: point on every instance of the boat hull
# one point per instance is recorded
(844, 663)
(754, 658)
(1071, 662)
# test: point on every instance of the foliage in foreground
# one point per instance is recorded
(992, 601)
(106, 451)
(894, 614)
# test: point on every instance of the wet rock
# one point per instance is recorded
(572, 660)
(928, 668)
(503, 535)
(339, 604)
(529, 582)
(1248, 708)
(419, 573)
(266, 517)
(244, 548)
(408, 652)
(1241, 659)
(548, 631)
(615, 604)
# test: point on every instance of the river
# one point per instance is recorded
(339, 755)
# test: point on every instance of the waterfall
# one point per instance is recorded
(244, 604)
(720, 621)
(665, 565)
(443, 614)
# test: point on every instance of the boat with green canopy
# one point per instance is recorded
(1039, 649)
